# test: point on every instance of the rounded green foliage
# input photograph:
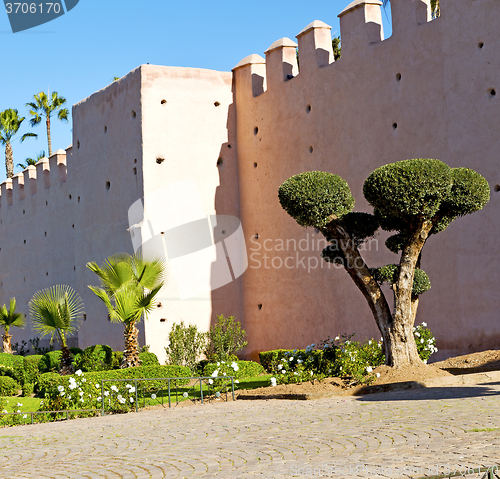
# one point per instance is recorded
(117, 359)
(312, 198)
(333, 254)
(50, 361)
(395, 242)
(409, 187)
(360, 226)
(148, 359)
(389, 274)
(95, 358)
(31, 368)
(390, 223)
(8, 387)
(469, 193)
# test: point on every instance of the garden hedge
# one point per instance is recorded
(51, 380)
(246, 369)
(8, 387)
(149, 359)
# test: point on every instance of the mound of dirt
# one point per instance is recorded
(472, 363)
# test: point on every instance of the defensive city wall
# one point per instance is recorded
(430, 90)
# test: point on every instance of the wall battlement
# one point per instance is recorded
(33, 179)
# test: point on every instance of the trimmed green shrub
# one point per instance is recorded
(13, 364)
(28, 389)
(31, 368)
(117, 359)
(185, 345)
(243, 369)
(74, 351)
(267, 358)
(49, 381)
(8, 387)
(148, 359)
(50, 361)
(95, 358)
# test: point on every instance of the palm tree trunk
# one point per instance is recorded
(48, 137)
(131, 353)
(6, 342)
(66, 362)
(9, 160)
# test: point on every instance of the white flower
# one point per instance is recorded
(377, 374)
(382, 340)
(25, 416)
(215, 373)
(60, 388)
(84, 380)
(210, 381)
(18, 410)
(417, 334)
(97, 386)
(218, 364)
(122, 401)
(114, 388)
(185, 395)
(425, 361)
(132, 390)
(273, 381)
(79, 372)
(128, 386)
(295, 373)
(5, 410)
(291, 359)
(153, 396)
(81, 393)
(424, 325)
(69, 398)
(280, 366)
(370, 342)
(299, 361)
(283, 372)
(131, 399)
(236, 381)
(81, 399)
(236, 367)
(106, 393)
(19, 404)
(72, 385)
(223, 374)
(369, 369)
(336, 338)
(422, 340)
(119, 397)
(99, 399)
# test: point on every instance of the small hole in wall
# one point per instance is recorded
(158, 305)
(480, 45)
(163, 102)
(84, 316)
(73, 226)
(308, 109)
(316, 230)
(24, 212)
(398, 76)
(78, 144)
(256, 130)
(217, 103)
(223, 232)
(229, 146)
(259, 306)
(109, 317)
(394, 125)
(25, 279)
(135, 171)
(311, 149)
(69, 196)
(160, 160)
(162, 320)
(45, 233)
(135, 161)
(24, 241)
(220, 162)
(134, 114)
(493, 92)
(256, 236)
(255, 165)
(78, 199)
(105, 129)
(47, 273)
(496, 188)
(46, 203)
(74, 268)
(108, 185)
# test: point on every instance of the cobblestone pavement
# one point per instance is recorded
(372, 436)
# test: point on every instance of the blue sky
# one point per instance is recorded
(81, 51)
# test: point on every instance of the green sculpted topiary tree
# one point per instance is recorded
(415, 199)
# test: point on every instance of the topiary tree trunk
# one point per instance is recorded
(131, 353)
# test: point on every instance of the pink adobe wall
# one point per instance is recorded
(362, 115)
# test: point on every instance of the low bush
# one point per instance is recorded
(148, 359)
(95, 358)
(238, 369)
(12, 365)
(8, 387)
(225, 339)
(117, 359)
(31, 368)
(185, 345)
(50, 362)
(48, 381)
(28, 389)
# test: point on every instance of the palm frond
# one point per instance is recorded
(9, 317)
(28, 135)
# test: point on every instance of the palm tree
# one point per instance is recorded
(43, 106)
(9, 126)
(129, 285)
(57, 311)
(31, 161)
(10, 318)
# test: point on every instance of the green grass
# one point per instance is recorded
(29, 404)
